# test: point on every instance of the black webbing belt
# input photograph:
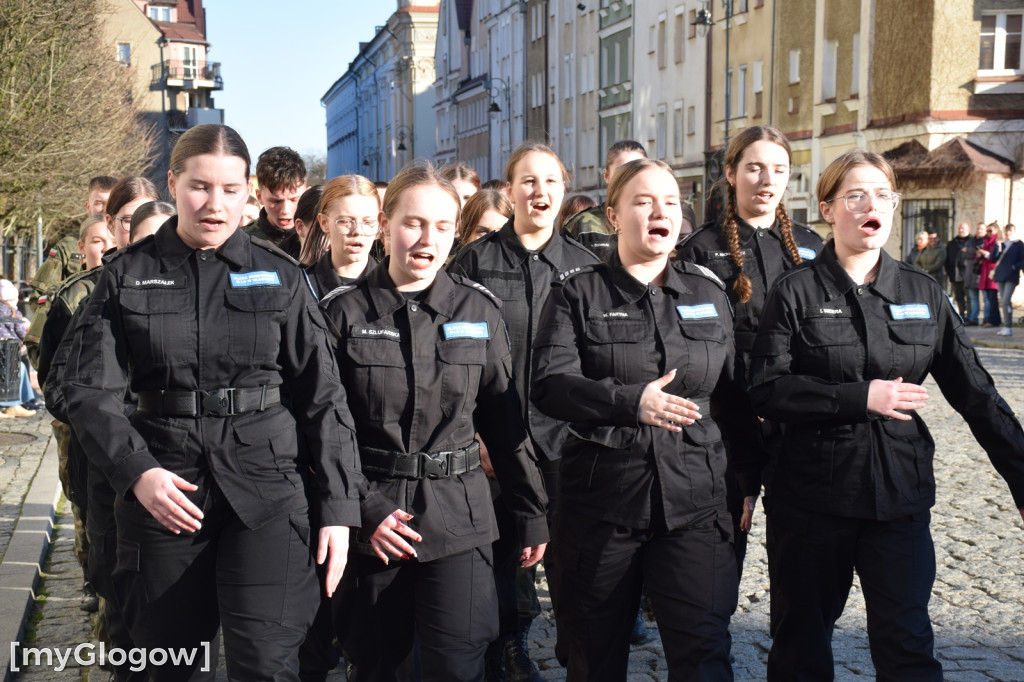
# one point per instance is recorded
(420, 464)
(222, 402)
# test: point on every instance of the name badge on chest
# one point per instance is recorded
(137, 282)
(910, 311)
(357, 331)
(702, 311)
(256, 278)
(465, 330)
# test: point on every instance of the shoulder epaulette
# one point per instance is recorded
(465, 281)
(808, 229)
(274, 249)
(112, 254)
(565, 276)
(334, 293)
(694, 269)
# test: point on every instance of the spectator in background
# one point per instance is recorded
(955, 266)
(305, 220)
(920, 242)
(972, 274)
(931, 257)
(148, 218)
(13, 325)
(986, 285)
(251, 212)
(1009, 260)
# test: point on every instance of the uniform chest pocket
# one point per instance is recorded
(462, 362)
(913, 345)
(830, 349)
(254, 324)
(377, 371)
(506, 286)
(705, 353)
(614, 348)
(159, 326)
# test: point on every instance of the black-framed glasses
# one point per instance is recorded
(366, 227)
(860, 202)
(125, 222)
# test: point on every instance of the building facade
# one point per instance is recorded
(391, 117)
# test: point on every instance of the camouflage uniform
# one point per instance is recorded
(63, 260)
(590, 227)
(63, 304)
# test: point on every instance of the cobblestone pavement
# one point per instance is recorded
(977, 606)
(19, 462)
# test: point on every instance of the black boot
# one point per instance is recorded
(518, 666)
(494, 661)
(90, 600)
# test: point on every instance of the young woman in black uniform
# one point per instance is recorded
(337, 249)
(214, 333)
(426, 362)
(629, 353)
(842, 349)
(755, 243)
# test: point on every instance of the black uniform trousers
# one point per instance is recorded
(437, 616)
(689, 575)
(815, 555)
(176, 590)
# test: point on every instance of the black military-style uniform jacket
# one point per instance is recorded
(604, 336)
(323, 279)
(286, 240)
(765, 257)
(522, 280)
(822, 340)
(168, 317)
(423, 376)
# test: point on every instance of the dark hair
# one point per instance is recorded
(146, 211)
(460, 171)
(689, 216)
(309, 205)
(620, 147)
(483, 201)
(128, 190)
(104, 183)
(572, 205)
(280, 168)
(493, 183)
(381, 184)
(742, 286)
(208, 138)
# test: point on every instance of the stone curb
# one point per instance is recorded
(22, 563)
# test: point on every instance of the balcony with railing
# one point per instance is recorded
(176, 73)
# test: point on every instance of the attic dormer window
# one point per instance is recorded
(160, 13)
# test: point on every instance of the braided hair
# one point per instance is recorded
(730, 228)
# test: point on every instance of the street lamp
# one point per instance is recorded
(704, 22)
(498, 84)
(403, 131)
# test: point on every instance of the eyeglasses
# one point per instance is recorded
(366, 227)
(860, 202)
(126, 223)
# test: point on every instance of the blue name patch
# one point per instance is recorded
(704, 311)
(257, 278)
(465, 330)
(910, 311)
(807, 254)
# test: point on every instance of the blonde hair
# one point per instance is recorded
(414, 175)
(832, 177)
(317, 240)
(528, 148)
(628, 171)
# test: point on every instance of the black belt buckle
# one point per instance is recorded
(218, 403)
(436, 467)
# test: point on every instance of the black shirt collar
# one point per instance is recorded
(387, 298)
(516, 253)
(633, 289)
(173, 251)
(887, 283)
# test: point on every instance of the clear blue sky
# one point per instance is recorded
(279, 58)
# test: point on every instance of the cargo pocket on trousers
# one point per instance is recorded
(301, 596)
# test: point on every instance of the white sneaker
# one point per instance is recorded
(1005, 331)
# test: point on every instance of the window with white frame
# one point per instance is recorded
(124, 53)
(661, 136)
(828, 70)
(855, 73)
(1001, 44)
(741, 91)
(677, 129)
(680, 35)
(160, 13)
(757, 86)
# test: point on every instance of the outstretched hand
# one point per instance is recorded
(665, 410)
(895, 398)
(388, 538)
